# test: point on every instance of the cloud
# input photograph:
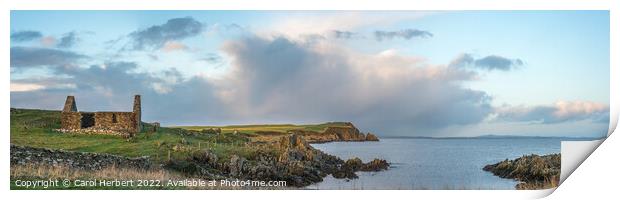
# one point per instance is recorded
(295, 24)
(158, 35)
(226, 29)
(343, 34)
(48, 41)
(174, 46)
(275, 80)
(33, 84)
(561, 111)
(167, 96)
(35, 56)
(283, 79)
(404, 34)
(213, 58)
(492, 62)
(24, 36)
(68, 40)
(21, 87)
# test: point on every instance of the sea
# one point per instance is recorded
(434, 163)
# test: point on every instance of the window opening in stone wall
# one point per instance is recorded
(88, 120)
(114, 118)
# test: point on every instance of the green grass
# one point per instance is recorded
(35, 128)
(268, 127)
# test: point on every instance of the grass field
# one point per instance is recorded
(35, 128)
(268, 127)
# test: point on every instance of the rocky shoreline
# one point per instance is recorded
(251, 153)
(293, 161)
(533, 171)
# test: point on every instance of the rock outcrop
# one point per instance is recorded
(346, 132)
(294, 161)
(371, 137)
(348, 169)
(534, 171)
(375, 166)
(350, 133)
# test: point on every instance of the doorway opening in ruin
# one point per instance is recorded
(88, 120)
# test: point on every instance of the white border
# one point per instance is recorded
(595, 161)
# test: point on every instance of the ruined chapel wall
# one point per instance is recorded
(137, 110)
(125, 121)
(70, 120)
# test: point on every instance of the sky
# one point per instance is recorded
(393, 73)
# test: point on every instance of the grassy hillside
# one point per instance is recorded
(269, 127)
(179, 149)
(35, 128)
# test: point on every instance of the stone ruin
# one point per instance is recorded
(108, 123)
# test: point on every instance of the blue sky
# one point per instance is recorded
(459, 73)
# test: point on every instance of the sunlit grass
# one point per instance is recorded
(35, 128)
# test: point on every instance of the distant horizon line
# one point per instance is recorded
(492, 136)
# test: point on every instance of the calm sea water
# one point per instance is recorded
(425, 163)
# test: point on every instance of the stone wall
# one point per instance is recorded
(21, 155)
(70, 105)
(70, 120)
(110, 123)
(119, 121)
(137, 110)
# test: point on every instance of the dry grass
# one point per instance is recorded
(62, 172)
(38, 172)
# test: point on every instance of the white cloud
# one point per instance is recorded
(48, 41)
(173, 46)
(295, 26)
(278, 78)
(24, 87)
(565, 109)
(561, 111)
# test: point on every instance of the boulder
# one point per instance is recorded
(294, 148)
(235, 166)
(353, 164)
(371, 137)
(375, 165)
(340, 174)
(210, 158)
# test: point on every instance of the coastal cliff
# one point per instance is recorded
(345, 132)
